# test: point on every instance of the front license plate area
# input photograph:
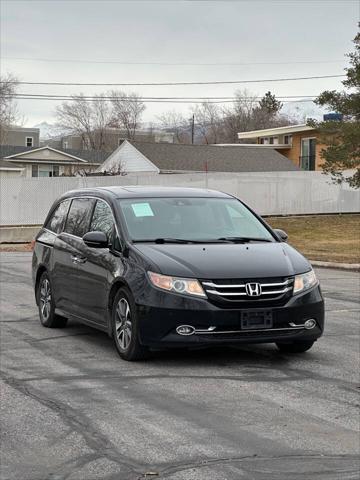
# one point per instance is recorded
(256, 319)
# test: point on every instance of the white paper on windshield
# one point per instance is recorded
(142, 210)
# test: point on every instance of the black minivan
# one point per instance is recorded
(173, 267)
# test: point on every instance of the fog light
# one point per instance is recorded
(309, 324)
(185, 330)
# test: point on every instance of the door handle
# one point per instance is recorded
(76, 260)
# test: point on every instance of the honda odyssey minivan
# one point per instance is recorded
(159, 268)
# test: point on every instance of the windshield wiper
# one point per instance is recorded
(177, 240)
(244, 239)
(174, 240)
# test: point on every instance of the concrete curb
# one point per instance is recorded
(354, 267)
(18, 233)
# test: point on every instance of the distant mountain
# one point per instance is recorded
(301, 111)
(48, 130)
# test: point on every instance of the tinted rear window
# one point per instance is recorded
(78, 219)
(57, 219)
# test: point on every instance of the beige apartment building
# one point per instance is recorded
(299, 143)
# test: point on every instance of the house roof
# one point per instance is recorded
(17, 128)
(4, 165)
(175, 157)
(275, 131)
(91, 156)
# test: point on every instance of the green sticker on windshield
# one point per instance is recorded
(142, 210)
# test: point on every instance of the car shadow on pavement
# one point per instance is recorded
(251, 355)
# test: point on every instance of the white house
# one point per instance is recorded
(8, 169)
(155, 158)
(47, 161)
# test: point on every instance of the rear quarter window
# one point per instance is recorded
(78, 219)
(57, 219)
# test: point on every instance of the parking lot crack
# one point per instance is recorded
(172, 469)
(79, 423)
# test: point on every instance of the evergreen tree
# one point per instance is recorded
(269, 104)
(342, 137)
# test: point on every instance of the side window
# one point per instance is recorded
(56, 221)
(102, 219)
(78, 219)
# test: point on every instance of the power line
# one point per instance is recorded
(144, 100)
(228, 82)
(190, 64)
(111, 97)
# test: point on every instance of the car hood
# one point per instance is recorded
(215, 261)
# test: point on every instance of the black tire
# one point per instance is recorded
(45, 301)
(295, 347)
(125, 327)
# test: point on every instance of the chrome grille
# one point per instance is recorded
(238, 291)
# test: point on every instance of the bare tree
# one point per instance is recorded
(9, 114)
(102, 119)
(221, 125)
(209, 122)
(174, 122)
(118, 169)
(248, 113)
(76, 118)
(238, 117)
(127, 110)
(87, 119)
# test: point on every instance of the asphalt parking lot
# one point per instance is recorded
(71, 409)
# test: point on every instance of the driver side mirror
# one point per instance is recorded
(282, 236)
(96, 240)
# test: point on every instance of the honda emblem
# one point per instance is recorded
(253, 289)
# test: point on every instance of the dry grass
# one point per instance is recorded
(15, 247)
(330, 238)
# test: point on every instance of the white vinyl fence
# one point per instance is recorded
(27, 201)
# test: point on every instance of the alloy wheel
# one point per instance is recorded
(123, 324)
(45, 299)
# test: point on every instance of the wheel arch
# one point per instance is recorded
(39, 272)
(118, 283)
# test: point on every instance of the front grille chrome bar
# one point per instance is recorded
(216, 285)
(223, 294)
(237, 294)
(237, 291)
(277, 292)
(215, 332)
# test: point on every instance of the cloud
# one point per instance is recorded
(206, 32)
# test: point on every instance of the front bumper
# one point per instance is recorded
(162, 313)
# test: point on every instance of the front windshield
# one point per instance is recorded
(196, 219)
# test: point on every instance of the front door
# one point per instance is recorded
(98, 268)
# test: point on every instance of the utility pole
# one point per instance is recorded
(192, 129)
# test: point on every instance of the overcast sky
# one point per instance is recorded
(185, 32)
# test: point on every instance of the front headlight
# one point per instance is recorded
(177, 285)
(305, 281)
